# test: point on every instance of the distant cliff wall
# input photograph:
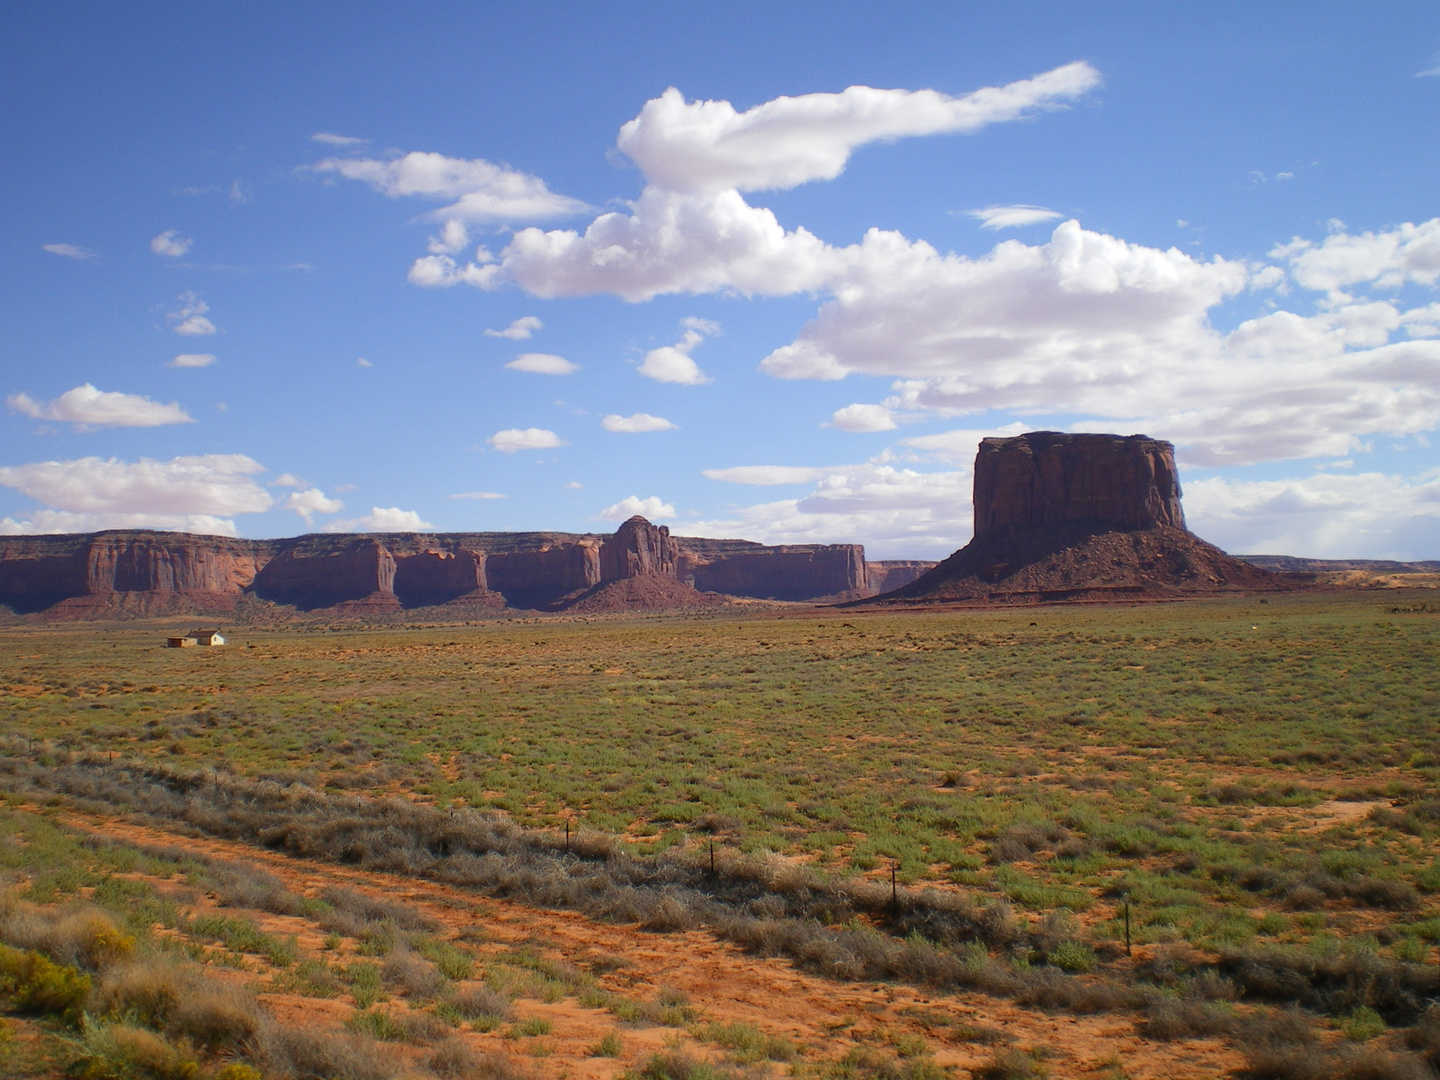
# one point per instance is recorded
(890, 574)
(38, 572)
(786, 572)
(134, 572)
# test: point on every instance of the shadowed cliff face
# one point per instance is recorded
(362, 570)
(785, 573)
(1048, 478)
(37, 572)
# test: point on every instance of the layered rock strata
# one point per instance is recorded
(1066, 517)
(104, 574)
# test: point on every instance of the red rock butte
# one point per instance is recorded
(1081, 517)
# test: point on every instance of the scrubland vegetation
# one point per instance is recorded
(1250, 785)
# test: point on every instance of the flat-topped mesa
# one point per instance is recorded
(638, 549)
(1080, 517)
(1046, 479)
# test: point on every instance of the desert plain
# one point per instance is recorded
(1180, 839)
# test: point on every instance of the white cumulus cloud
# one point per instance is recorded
(672, 363)
(197, 493)
(1119, 334)
(480, 190)
(453, 237)
(512, 439)
(518, 330)
(171, 243)
(653, 508)
(1324, 516)
(191, 360)
(542, 364)
(312, 501)
(380, 519)
(1010, 217)
(636, 422)
(691, 229)
(708, 146)
(189, 318)
(1389, 258)
(86, 407)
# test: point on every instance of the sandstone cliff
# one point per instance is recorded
(784, 572)
(103, 575)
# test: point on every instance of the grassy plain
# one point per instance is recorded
(1044, 754)
(1255, 779)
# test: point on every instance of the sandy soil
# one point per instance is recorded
(828, 1018)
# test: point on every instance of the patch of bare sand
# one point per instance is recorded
(726, 985)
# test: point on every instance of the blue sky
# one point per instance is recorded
(281, 268)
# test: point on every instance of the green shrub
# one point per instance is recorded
(377, 1024)
(454, 963)
(123, 1052)
(1363, 1024)
(1073, 957)
(609, 1046)
(747, 1042)
(242, 935)
(31, 983)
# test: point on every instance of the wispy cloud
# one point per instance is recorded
(189, 318)
(539, 363)
(518, 330)
(478, 495)
(191, 360)
(70, 251)
(1013, 216)
(329, 138)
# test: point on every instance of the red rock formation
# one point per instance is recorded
(539, 579)
(1049, 478)
(786, 572)
(117, 574)
(441, 577)
(890, 574)
(363, 570)
(116, 569)
(1066, 517)
(638, 549)
(799, 572)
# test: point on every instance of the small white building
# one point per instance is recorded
(207, 637)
